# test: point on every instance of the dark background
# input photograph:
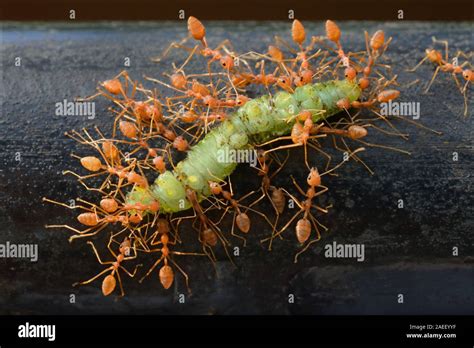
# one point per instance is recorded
(90, 10)
(408, 250)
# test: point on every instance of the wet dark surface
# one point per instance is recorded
(407, 251)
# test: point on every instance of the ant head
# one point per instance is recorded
(468, 75)
(178, 80)
(135, 219)
(209, 237)
(180, 144)
(163, 226)
(125, 245)
(227, 62)
(207, 100)
(343, 103)
(314, 179)
(350, 73)
(306, 76)
(241, 100)
(275, 53)
(434, 56)
(188, 116)
(261, 155)
(284, 82)
(215, 187)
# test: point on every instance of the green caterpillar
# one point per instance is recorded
(259, 120)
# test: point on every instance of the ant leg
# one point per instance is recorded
(465, 86)
(83, 177)
(130, 274)
(122, 293)
(387, 121)
(464, 94)
(352, 155)
(185, 275)
(445, 43)
(316, 223)
(226, 210)
(108, 246)
(304, 249)
(262, 196)
(432, 79)
(280, 40)
(282, 147)
(285, 227)
(65, 205)
(97, 254)
(172, 46)
(152, 268)
(382, 147)
(70, 228)
(87, 234)
(324, 188)
(418, 65)
(324, 153)
(306, 156)
(93, 278)
(187, 253)
(258, 213)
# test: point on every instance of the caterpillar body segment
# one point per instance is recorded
(259, 120)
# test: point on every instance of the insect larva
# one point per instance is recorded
(259, 120)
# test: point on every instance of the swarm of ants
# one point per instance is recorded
(151, 129)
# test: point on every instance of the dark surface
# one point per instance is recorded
(408, 250)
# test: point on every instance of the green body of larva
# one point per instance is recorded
(259, 120)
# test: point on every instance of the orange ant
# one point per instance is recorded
(166, 273)
(92, 219)
(109, 283)
(303, 225)
(209, 233)
(300, 134)
(275, 195)
(444, 65)
(240, 218)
